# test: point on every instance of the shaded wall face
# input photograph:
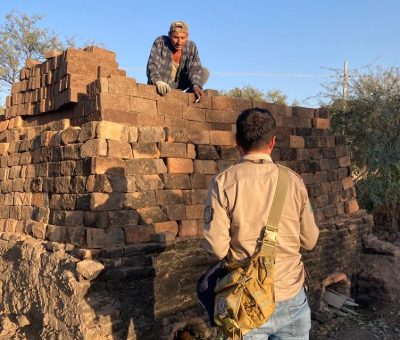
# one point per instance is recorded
(121, 179)
(91, 159)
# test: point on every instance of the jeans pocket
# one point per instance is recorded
(300, 315)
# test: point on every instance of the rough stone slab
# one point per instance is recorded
(190, 151)
(207, 167)
(176, 181)
(119, 149)
(122, 218)
(138, 234)
(177, 150)
(179, 165)
(102, 238)
(194, 114)
(170, 109)
(187, 228)
(195, 196)
(70, 135)
(141, 167)
(297, 142)
(93, 148)
(109, 166)
(122, 86)
(351, 206)
(222, 103)
(142, 105)
(151, 215)
(112, 131)
(170, 226)
(144, 183)
(103, 202)
(198, 137)
(114, 102)
(88, 131)
(89, 269)
(132, 134)
(222, 138)
(151, 135)
(347, 183)
(175, 212)
(4, 148)
(206, 152)
(163, 237)
(38, 229)
(165, 197)
(194, 211)
(101, 52)
(135, 200)
(145, 150)
(56, 233)
(321, 123)
(174, 135)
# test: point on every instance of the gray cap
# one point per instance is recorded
(179, 26)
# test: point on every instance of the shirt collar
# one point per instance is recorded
(256, 156)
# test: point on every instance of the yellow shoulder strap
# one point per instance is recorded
(279, 198)
(267, 248)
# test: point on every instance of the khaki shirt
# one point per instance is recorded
(237, 208)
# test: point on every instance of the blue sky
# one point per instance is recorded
(267, 44)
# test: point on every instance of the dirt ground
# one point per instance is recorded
(375, 322)
(368, 324)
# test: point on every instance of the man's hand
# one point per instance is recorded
(162, 87)
(198, 92)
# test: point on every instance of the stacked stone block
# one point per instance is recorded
(59, 81)
(107, 184)
(120, 174)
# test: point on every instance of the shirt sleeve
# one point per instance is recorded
(153, 63)
(216, 223)
(308, 229)
(195, 67)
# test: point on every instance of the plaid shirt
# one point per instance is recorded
(159, 65)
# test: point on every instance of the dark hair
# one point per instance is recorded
(255, 128)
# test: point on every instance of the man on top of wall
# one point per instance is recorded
(237, 209)
(174, 62)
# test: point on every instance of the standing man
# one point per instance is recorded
(174, 62)
(237, 208)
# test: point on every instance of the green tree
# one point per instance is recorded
(276, 96)
(370, 121)
(254, 94)
(247, 92)
(20, 39)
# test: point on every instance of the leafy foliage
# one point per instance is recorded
(20, 39)
(370, 121)
(254, 94)
(247, 92)
(276, 96)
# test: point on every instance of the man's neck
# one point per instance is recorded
(176, 56)
(258, 151)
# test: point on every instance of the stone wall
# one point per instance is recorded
(100, 168)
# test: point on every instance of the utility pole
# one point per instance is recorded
(345, 78)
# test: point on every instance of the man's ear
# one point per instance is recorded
(271, 144)
(239, 146)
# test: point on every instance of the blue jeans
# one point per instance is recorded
(290, 320)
